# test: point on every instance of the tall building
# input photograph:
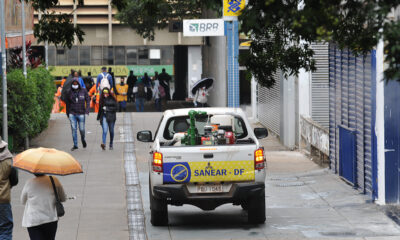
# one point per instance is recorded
(109, 43)
(13, 23)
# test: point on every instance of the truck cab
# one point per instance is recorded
(206, 157)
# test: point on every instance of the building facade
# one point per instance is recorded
(109, 43)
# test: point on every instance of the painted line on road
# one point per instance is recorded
(136, 220)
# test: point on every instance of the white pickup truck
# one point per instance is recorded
(206, 157)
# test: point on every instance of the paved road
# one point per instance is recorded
(303, 202)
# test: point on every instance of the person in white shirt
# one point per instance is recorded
(157, 94)
(40, 214)
(200, 98)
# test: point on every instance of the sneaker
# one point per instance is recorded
(111, 148)
(103, 146)
(74, 148)
(84, 143)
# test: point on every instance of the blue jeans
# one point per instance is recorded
(139, 104)
(157, 102)
(6, 221)
(108, 126)
(74, 119)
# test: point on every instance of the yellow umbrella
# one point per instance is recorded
(47, 161)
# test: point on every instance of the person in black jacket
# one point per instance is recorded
(131, 83)
(107, 116)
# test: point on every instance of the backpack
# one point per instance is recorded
(161, 90)
(141, 92)
(66, 89)
(104, 83)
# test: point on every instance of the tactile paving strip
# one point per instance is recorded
(136, 221)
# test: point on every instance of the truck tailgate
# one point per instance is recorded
(208, 164)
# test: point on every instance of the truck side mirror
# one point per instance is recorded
(145, 136)
(261, 133)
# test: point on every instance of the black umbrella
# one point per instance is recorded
(205, 82)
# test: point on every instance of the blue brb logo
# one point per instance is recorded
(234, 5)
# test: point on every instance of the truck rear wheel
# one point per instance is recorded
(256, 209)
(159, 210)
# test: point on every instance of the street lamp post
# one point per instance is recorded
(23, 36)
(4, 70)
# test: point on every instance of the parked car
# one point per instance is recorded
(206, 157)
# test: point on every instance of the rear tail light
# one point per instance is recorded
(259, 161)
(157, 162)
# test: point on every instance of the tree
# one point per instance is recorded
(16, 59)
(281, 31)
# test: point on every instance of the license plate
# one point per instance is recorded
(210, 188)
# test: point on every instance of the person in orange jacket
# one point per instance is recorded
(94, 94)
(61, 103)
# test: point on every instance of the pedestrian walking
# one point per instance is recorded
(78, 106)
(158, 94)
(200, 98)
(122, 97)
(165, 79)
(131, 83)
(88, 80)
(95, 98)
(8, 178)
(40, 214)
(107, 116)
(77, 74)
(140, 92)
(104, 79)
(147, 82)
(113, 88)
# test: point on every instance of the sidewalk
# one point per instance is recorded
(303, 201)
(99, 211)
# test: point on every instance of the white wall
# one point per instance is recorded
(304, 93)
(195, 68)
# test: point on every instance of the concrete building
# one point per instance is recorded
(109, 43)
(13, 23)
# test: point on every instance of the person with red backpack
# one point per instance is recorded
(104, 80)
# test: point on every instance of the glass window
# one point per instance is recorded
(167, 56)
(73, 56)
(143, 56)
(108, 55)
(61, 57)
(120, 56)
(131, 56)
(182, 123)
(84, 55)
(51, 56)
(155, 56)
(97, 54)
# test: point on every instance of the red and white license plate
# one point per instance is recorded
(209, 188)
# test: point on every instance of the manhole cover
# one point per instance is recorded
(290, 184)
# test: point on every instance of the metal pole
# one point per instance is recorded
(4, 71)
(23, 36)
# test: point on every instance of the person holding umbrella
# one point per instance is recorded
(40, 214)
(200, 91)
(42, 195)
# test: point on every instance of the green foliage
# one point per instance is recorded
(57, 29)
(280, 31)
(147, 15)
(29, 102)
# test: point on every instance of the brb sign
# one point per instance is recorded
(203, 27)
